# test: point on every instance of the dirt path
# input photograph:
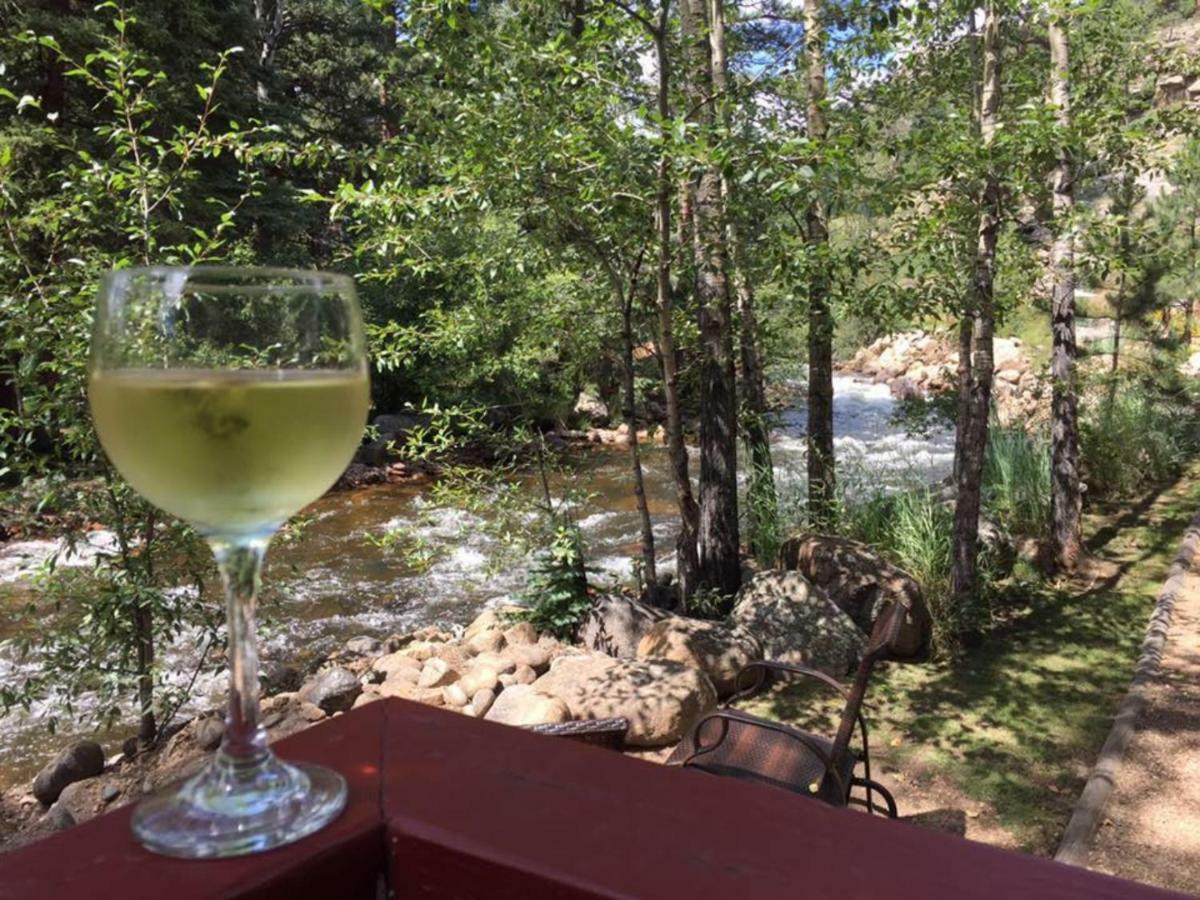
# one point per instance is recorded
(1151, 831)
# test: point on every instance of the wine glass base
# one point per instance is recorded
(231, 809)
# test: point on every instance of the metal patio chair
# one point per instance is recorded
(730, 742)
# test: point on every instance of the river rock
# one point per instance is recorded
(371, 456)
(430, 696)
(209, 732)
(796, 623)
(490, 640)
(454, 695)
(364, 645)
(419, 650)
(436, 673)
(479, 677)
(501, 664)
(369, 695)
(717, 649)
(81, 760)
(78, 801)
(482, 701)
(522, 705)
(333, 690)
(521, 633)
(851, 574)
(535, 656)
(616, 624)
(397, 665)
(593, 407)
(524, 675)
(497, 618)
(396, 426)
(660, 698)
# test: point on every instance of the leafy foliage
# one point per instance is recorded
(556, 592)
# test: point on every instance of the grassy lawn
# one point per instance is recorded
(1008, 732)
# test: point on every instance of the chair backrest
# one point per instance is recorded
(902, 631)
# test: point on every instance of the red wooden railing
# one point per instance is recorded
(444, 806)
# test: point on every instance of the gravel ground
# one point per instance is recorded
(1151, 832)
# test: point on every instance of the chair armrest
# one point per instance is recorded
(766, 666)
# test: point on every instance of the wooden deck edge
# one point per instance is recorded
(1085, 819)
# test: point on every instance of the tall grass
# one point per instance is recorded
(1133, 438)
(1016, 481)
(913, 528)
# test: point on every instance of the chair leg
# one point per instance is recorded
(874, 787)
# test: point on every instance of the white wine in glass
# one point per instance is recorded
(232, 398)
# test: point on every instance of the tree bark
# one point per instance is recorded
(143, 634)
(629, 412)
(821, 475)
(973, 441)
(686, 559)
(762, 512)
(270, 18)
(1066, 498)
(1124, 256)
(718, 545)
(1189, 307)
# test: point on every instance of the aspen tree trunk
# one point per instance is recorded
(973, 441)
(754, 421)
(718, 545)
(687, 562)
(821, 477)
(1066, 499)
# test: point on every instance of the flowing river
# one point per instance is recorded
(332, 583)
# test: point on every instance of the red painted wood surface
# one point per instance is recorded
(446, 806)
(100, 860)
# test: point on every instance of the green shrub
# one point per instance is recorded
(556, 592)
(1132, 438)
(1016, 481)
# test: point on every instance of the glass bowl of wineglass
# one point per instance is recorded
(232, 398)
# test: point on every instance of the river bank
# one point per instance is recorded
(329, 582)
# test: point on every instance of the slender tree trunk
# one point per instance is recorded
(718, 545)
(821, 479)
(973, 442)
(1066, 498)
(1189, 308)
(269, 16)
(143, 635)
(1118, 321)
(1124, 255)
(686, 559)
(964, 391)
(762, 511)
(625, 304)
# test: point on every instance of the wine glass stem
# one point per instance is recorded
(240, 563)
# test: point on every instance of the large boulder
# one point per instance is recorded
(521, 704)
(661, 698)
(796, 623)
(615, 625)
(84, 759)
(851, 574)
(332, 690)
(717, 649)
(592, 408)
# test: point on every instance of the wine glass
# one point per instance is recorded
(231, 398)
